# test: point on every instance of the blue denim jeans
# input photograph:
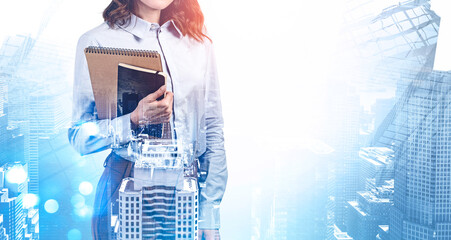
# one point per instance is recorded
(116, 169)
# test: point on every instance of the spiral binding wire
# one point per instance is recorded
(122, 51)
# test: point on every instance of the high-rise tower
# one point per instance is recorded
(422, 197)
(161, 200)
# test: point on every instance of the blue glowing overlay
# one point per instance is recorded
(377, 167)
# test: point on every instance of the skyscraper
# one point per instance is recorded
(13, 215)
(370, 210)
(292, 199)
(422, 197)
(376, 166)
(161, 200)
(32, 224)
(345, 125)
(3, 138)
(37, 85)
(20, 218)
(3, 235)
(396, 47)
(34, 85)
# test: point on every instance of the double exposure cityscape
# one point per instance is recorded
(378, 168)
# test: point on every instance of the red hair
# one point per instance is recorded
(186, 14)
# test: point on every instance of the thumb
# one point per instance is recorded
(153, 96)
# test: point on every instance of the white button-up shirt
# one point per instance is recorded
(197, 106)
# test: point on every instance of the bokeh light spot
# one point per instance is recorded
(30, 200)
(78, 201)
(84, 212)
(16, 174)
(74, 234)
(51, 206)
(85, 188)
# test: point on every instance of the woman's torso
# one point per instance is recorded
(183, 59)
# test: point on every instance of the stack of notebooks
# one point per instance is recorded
(120, 78)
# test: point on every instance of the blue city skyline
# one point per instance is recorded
(376, 167)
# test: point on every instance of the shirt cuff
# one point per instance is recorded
(209, 217)
(122, 128)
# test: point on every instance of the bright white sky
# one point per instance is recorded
(443, 55)
(68, 19)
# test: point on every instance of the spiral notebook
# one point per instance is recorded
(103, 69)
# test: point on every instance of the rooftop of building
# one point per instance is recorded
(355, 205)
(128, 184)
(372, 197)
(377, 155)
(339, 235)
(384, 228)
(189, 185)
(158, 153)
(342, 236)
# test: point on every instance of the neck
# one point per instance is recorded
(146, 13)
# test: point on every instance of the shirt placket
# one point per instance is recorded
(170, 81)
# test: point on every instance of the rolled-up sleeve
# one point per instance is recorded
(87, 134)
(214, 157)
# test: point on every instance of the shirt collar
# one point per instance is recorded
(140, 27)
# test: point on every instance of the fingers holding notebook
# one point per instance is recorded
(155, 95)
(151, 111)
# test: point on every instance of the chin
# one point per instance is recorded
(156, 4)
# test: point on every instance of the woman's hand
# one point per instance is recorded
(209, 234)
(151, 111)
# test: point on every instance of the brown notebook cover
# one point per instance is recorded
(103, 69)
